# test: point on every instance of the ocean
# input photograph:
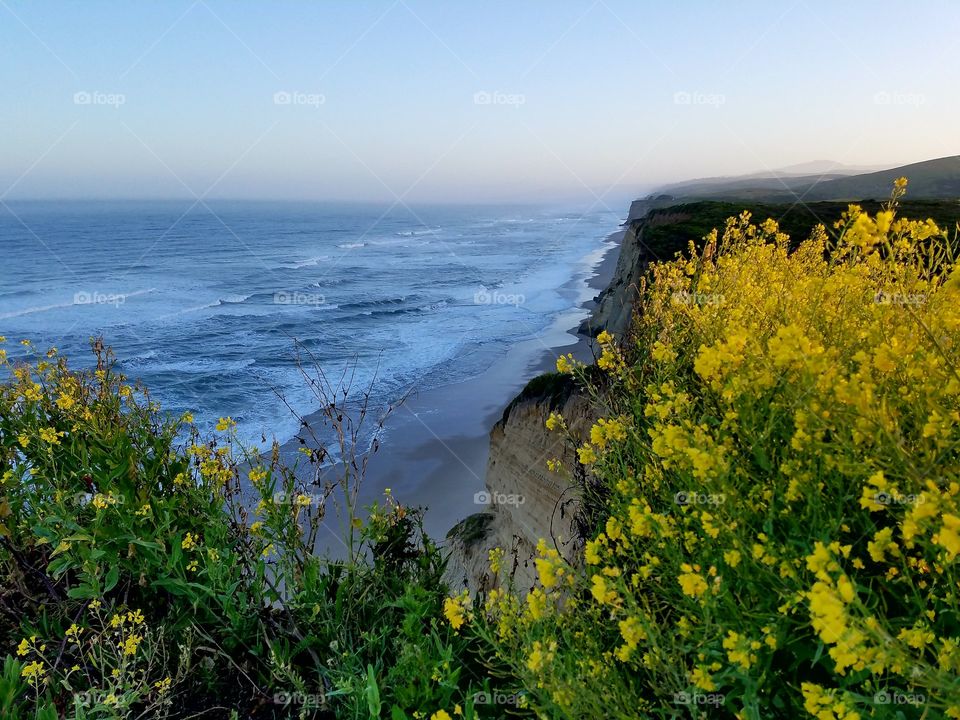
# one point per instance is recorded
(204, 302)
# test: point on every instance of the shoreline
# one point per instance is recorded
(438, 440)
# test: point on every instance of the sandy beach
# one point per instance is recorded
(433, 452)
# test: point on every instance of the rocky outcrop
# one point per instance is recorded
(527, 501)
(614, 306)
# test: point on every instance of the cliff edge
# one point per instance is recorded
(614, 306)
(526, 501)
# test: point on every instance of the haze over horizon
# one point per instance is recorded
(430, 102)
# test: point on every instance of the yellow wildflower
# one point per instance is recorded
(692, 584)
(541, 655)
(225, 423)
(456, 609)
(33, 671)
(586, 454)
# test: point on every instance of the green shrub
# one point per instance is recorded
(139, 580)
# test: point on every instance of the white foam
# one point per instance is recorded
(309, 262)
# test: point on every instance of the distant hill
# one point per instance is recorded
(767, 181)
(819, 167)
(932, 179)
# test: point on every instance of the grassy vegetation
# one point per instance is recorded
(938, 178)
(555, 387)
(471, 529)
(670, 229)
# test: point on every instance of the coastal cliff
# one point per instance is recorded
(526, 501)
(614, 305)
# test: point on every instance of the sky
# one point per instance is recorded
(429, 101)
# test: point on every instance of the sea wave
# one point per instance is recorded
(33, 310)
(305, 263)
(79, 299)
(418, 233)
(232, 300)
(378, 303)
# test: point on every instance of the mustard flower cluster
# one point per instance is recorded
(783, 476)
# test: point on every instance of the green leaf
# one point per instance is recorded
(57, 567)
(146, 544)
(82, 592)
(171, 585)
(110, 582)
(373, 694)
(761, 458)
(79, 537)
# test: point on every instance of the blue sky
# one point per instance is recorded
(445, 101)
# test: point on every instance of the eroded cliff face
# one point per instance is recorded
(527, 501)
(615, 304)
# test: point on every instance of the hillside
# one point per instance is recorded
(931, 179)
(939, 178)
